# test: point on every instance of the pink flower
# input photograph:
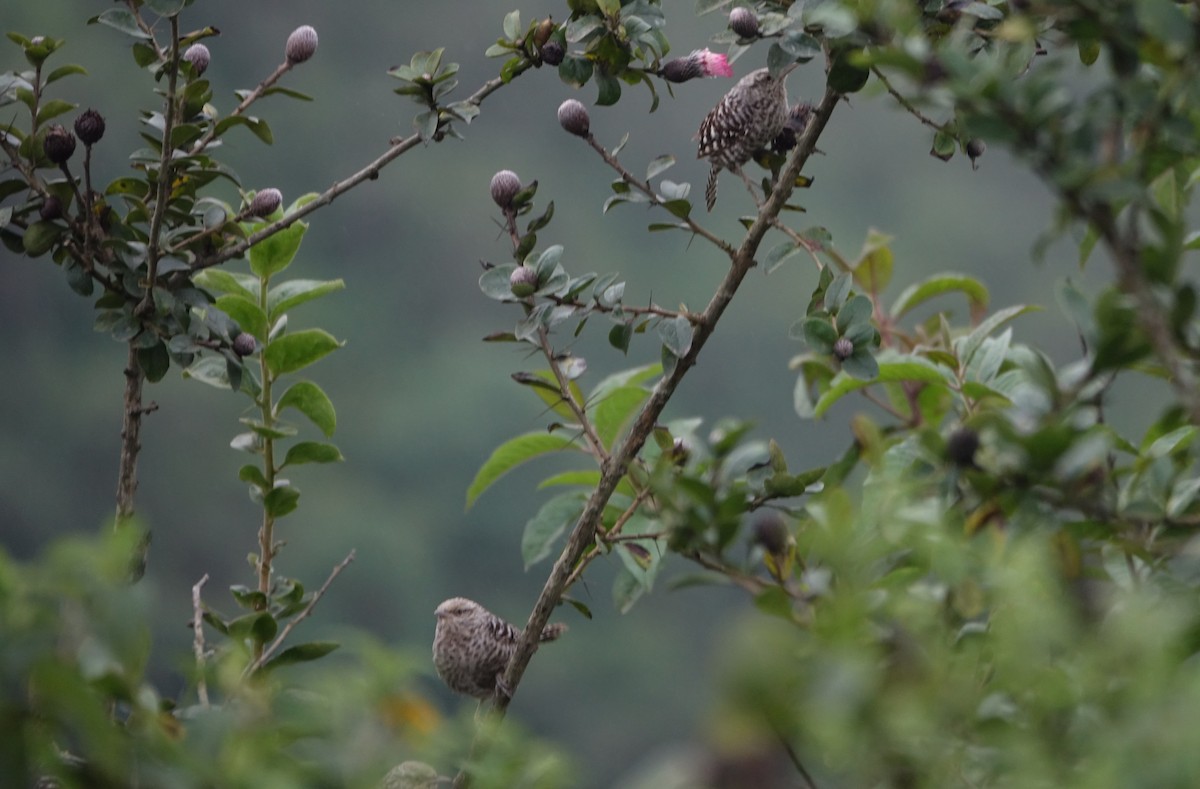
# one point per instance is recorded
(700, 63)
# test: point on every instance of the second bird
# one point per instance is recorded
(472, 646)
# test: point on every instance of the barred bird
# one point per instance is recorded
(472, 646)
(748, 118)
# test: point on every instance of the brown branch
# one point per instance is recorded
(645, 188)
(198, 640)
(906, 104)
(163, 187)
(130, 437)
(300, 617)
(254, 96)
(370, 172)
(584, 532)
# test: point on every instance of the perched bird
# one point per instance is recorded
(471, 646)
(749, 117)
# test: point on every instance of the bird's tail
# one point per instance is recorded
(553, 631)
(710, 191)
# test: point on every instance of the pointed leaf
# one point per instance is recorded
(310, 400)
(292, 352)
(289, 294)
(550, 522)
(312, 452)
(513, 453)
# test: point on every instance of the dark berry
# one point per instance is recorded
(52, 208)
(244, 344)
(59, 144)
(770, 532)
(553, 53)
(962, 446)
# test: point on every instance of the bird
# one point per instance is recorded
(748, 117)
(472, 646)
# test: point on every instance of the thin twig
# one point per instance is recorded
(645, 188)
(791, 752)
(613, 535)
(300, 617)
(254, 96)
(370, 172)
(163, 187)
(906, 104)
(198, 640)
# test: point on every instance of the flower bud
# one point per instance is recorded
(505, 185)
(301, 44)
(199, 56)
(90, 127)
(573, 117)
(553, 53)
(770, 532)
(523, 281)
(58, 144)
(265, 202)
(743, 22)
(52, 208)
(244, 344)
(542, 32)
(975, 149)
(700, 63)
(843, 349)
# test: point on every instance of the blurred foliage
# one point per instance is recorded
(988, 584)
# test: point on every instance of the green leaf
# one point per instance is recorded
(154, 361)
(778, 254)
(873, 271)
(284, 296)
(293, 352)
(967, 346)
(609, 89)
(120, 19)
(819, 334)
(614, 411)
(512, 25)
(247, 314)
(221, 281)
(513, 453)
(312, 452)
(659, 166)
(40, 237)
(627, 590)
(920, 292)
(912, 368)
(575, 71)
(260, 627)
(310, 400)
(65, 71)
(855, 312)
(550, 522)
(275, 253)
(301, 653)
(676, 335)
(253, 474)
(281, 501)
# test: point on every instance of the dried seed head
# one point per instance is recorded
(700, 63)
(52, 208)
(843, 349)
(265, 202)
(199, 56)
(58, 144)
(553, 53)
(411, 775)
(505, 185)
(573, 117)
(523, 281)
(301, 44)
(743, 22)
(244, 344)
(90, 127)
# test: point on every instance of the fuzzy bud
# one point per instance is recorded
(52, 208)
(58, 144)
(961, 447)
(244, 344)
(265, 202)
(975, 149)
(700, 63)
(553, 53)
(301, 44)
(743, 22)
(770, 532)
(523, 281)
(680, 451)
(199, 56)
(505, 185)
(573, 117)
(843, 349)
(89, 127)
